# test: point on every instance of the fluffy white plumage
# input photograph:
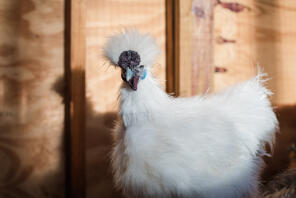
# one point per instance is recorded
(203, 146)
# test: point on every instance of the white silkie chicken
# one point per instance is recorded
(201, 147)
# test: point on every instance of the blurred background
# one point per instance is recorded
(205, 45)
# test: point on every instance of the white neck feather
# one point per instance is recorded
(137, 106)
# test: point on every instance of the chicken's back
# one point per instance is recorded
(247, 106)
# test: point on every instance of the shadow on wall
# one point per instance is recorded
(99, 127)
(31, 150)
(98, 149)
(284, 155)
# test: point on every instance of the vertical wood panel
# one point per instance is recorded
(173, 46)
(186, 47)
(202, 56)
(75, 107)
(194, 47)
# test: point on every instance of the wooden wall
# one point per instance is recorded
(31, 105)
(105, 18)
(244, 33)
(221, 42)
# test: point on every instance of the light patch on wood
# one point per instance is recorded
(196, 53)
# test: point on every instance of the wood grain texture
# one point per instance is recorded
(186, 47)
(236, 57)
(75, 109)
(195, 47)
(202, 56)
(105, 18)
(31, 111)
(262, 32)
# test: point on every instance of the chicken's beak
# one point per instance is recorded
(133, 82)
(131, 78)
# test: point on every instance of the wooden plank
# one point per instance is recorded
(173, 46)
(186, 47)
(195, 49)
(75, 100)
(202, 56)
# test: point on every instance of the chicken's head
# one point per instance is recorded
(134, 53)
(132, 71)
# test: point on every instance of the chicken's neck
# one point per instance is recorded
(138, 106)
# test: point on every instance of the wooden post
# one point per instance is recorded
(75, 97)
(172, 46)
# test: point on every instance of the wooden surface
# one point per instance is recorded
(202, 54)
(275, 45)
(31, 107)
(196, 47)
(173, 46)
(75, 110)
(234, 44)
(257, 31)
(105, 18)
(221, 52)
(186, 47)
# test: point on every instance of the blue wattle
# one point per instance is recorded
(144, 75)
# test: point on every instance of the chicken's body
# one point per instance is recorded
(204, 146)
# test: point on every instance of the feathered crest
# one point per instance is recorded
(143, 44)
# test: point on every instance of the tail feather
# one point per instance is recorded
(248, 103)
